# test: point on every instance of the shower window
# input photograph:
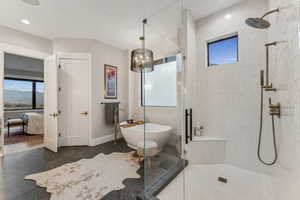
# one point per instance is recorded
(224, 51)
(160, 85)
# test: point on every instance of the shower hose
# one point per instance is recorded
(260, 134)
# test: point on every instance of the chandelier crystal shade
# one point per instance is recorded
(142, 60)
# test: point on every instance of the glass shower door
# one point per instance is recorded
(161, 101)
(163, 129)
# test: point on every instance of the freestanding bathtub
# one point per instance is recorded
(155, 132)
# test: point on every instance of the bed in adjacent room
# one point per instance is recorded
(34, 123)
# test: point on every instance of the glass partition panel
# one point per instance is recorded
(236, 112)
(160, 85)
(161, 101)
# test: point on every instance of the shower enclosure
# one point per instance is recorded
(218, 148)
(159, 99)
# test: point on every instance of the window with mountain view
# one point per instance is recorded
(23, 94)
(39, 95)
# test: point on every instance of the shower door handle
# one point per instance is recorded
(186, 126)
(191, 124)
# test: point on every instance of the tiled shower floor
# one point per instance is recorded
(201, 182)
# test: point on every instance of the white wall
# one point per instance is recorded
(285, 75)
(21, 39)
(190, 52)
(101, 54)
(226, 97)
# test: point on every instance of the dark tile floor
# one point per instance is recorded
(13, 169)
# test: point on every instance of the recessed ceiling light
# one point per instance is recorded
(228, 16)
(32, 2)
(25, 21)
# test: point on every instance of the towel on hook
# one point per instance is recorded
(111, 110)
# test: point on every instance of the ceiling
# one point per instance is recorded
(21, 63)
(115, 22)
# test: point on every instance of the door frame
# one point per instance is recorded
(21, 51)
(88, 57)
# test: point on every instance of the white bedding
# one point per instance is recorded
(35, 124)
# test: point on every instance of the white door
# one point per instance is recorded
(74, 102)
(1, 103)
(51, 103)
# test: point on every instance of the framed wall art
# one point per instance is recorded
(111, 82)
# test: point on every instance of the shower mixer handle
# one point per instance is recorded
(275, 113)
(274, 106)
(275, 109)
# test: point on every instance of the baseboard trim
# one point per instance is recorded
(102, 140)
(74, 141)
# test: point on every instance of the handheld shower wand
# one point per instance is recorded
(274, 111)
(262, 23)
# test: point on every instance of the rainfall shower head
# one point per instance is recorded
(260, 23)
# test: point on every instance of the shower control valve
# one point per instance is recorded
(274, 109)
(274, 106)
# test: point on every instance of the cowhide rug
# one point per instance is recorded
(88, 179)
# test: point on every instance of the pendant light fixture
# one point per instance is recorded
(142, 59)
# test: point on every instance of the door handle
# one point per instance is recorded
(53, 115)
(191, 124)
(186, 127)
(84, 113)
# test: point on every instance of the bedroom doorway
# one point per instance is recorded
(23, 96)
(52, 111)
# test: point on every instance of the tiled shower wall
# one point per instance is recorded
(226, 98)
(285, 74)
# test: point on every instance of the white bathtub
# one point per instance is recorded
(155, 132)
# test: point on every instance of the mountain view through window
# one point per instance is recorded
(23, 94)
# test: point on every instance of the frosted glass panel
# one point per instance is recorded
(160, 85)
